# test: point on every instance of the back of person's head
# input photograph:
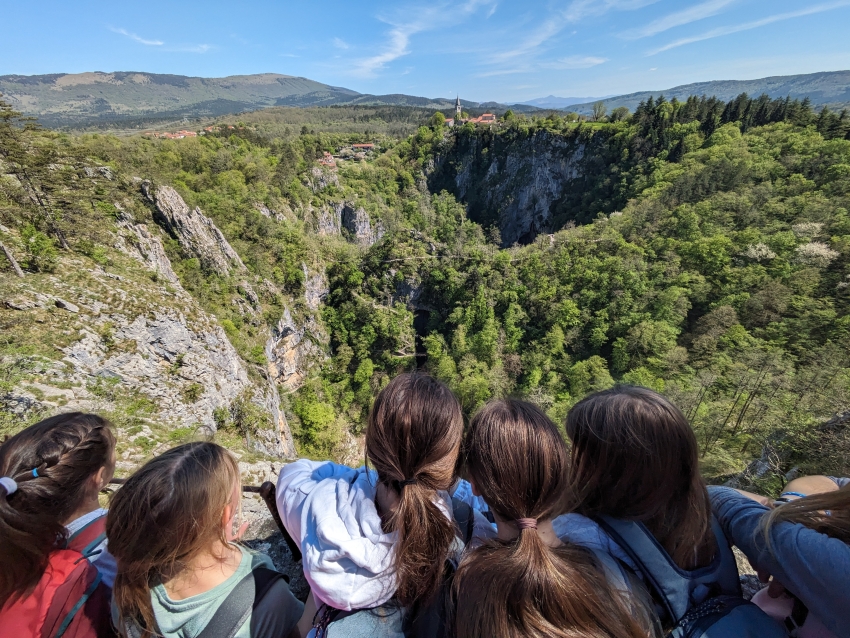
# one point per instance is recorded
(827, 513)
(518, 461)
(166, 514)
(635, 457)
(55, 464)
(413, 441)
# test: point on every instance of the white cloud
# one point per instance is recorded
(556, 22)
(191, 48)
(399, 36)
(575, 62)
(737, 28)
(136, 38)
(339, 43)
(580, 9)
(679, 18)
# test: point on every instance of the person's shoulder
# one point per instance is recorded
(256, 559)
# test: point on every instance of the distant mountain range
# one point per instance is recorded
(830, 89)
(136, 98)
(554, 102)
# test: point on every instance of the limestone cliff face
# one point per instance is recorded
(354, 221)
(138, 338)
(515, 182)
(196, 232)
(296, 344)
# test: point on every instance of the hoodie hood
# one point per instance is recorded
(329, 510)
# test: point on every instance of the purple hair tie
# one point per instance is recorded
(526, 523)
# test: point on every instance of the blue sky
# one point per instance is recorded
(505, 50)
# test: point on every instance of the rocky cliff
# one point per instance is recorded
(345, 218)
(522, 184)
(196, 233)
(126, 338)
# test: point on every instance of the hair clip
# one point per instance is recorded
(35, 472)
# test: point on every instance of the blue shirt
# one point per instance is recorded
(811, 565)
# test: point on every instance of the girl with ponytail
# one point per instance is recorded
(527, 582)
(378, 540)
(50, 519)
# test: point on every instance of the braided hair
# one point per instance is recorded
(52, 463)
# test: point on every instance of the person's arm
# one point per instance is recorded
(295, 483)
(810, 565)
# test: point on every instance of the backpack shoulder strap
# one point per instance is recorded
(658, 570)
(88, 537)
(613, 571)
(465, 519)
(726, 575)
(237, 607)
(70, 596)
(678, 589)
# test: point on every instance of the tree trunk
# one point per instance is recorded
(12, 260)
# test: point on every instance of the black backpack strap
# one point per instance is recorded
(465, 519)
(798, 617)
(237, 607)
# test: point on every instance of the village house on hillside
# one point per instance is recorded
(486, 118)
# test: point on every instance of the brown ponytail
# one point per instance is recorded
(523, 587)
(166, 514)
(413, 441)
(65, 451)
(635, 457)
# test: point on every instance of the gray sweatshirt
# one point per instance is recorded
(811, 565)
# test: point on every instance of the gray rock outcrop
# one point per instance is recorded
(354, 220)
(291, 350)
(162, 357)
(196, 233)
(145, 247)
(329, 220)
(321, 178)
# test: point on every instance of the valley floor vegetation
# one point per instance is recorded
(703, 251)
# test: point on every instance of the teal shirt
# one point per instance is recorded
(187, 618)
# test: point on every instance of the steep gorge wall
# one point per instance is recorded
(111, 337)
(523, 183)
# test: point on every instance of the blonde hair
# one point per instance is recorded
(166, 514)
(827, 513)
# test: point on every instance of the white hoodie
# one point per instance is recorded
(329, 510)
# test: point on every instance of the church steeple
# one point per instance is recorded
(458, 109)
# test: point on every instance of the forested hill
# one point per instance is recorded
(699, 248)
(135, 99)
(830, 89)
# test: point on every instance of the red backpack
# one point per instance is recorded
(69, 601)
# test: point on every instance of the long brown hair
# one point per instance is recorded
(827, 513)
(413, 441)
(635, 457)
(165, 515)
(523, 587)
(52, 462)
